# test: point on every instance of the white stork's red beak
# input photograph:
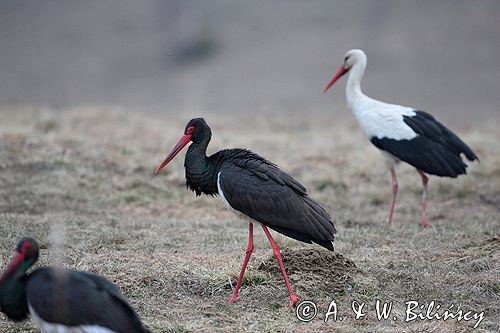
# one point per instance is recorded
(342, 70)
(184, 140)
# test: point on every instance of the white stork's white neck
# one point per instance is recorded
(376, 118)
(354, 94)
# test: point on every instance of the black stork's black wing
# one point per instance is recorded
(260, 190)
(436, 150)
(74, 298)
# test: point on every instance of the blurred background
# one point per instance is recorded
(227, 56)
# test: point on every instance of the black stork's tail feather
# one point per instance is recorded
(320, 227)
(259, 189)
(436, 150)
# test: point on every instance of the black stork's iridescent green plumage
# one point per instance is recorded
(255, 187)
(62, 300)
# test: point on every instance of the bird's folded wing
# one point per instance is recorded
(269, 196)
(74, 298)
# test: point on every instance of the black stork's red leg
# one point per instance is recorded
(248, 253)
(293, 298)
(252, 186)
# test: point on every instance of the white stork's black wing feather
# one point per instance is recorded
(436, 150)
(74, 298)
(260, 190)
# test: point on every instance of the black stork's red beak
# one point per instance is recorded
(342, 70)
(184, 140)
(16, 261)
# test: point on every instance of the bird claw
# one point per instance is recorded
(423, 225)
(293, 301)
(233, 299)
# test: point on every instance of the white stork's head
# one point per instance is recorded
(351, 58)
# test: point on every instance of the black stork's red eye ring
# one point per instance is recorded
(26, 246)
(190, 130)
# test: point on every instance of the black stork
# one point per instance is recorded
(62, 300)
(403, 133)
(256, 188)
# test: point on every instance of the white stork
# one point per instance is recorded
(403, 133)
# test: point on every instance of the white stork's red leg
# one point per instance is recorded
(394, 181)
(248, 253)
(423, 203)
(293, 298)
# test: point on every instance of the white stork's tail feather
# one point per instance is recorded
(425, 124)
(436, 150)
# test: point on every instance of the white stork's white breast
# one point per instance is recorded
(382, 120)
(47, 327)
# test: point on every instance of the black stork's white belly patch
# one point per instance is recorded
(47, 327)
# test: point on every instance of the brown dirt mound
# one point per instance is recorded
(492, 243)
(476, 257)
(314, 269)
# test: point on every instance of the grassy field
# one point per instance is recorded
(82, 183)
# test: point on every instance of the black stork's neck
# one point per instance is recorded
(13, 300)
(201, 170)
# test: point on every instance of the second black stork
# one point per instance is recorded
(253, 186)
(403, 133)
(62, 300)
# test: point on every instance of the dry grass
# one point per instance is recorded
(86, 175)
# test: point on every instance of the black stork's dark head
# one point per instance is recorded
(351, 58)
(25, 255)
(196, 131)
